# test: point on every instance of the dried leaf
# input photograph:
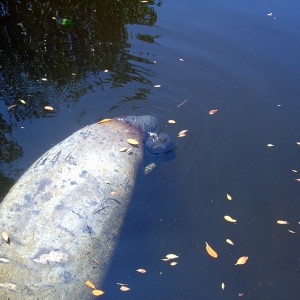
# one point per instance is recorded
(174, 263)
(171, 256)
(228, 197)
(229, 219)
(141, 270)
(282, 222)
(171, 121)
(104, 121)
(166, 259)
(229, 242)
(270, 145)
(124, 288)
(211, 251)
(48, 107)
(12, 106)
(97, 292)
(132, 142)
(182, 133)
(242, 260)
(213, 111)
(123, 149)
(90, 284)
(22, 101)
(5, 237)
(223, 286)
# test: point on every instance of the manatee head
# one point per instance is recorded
(158, 143)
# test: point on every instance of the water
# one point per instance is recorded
(241, 58)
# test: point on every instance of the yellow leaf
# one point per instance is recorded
(124, 288)
(174, 263)
(229, 242)
(22, 101)
(229, 219)
(223, 286)
(242, 260)
(141, 270)
(171, 256)
(132, 142)
(172, 121)
(90, 284)
(48, 107)
(166, 259)
(97, 292)
(104, 120)
(5, 237)
(282, 222)
(211, 251)
(228, 197)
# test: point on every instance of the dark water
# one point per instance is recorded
(226, 55)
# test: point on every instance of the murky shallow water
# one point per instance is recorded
(230, 56)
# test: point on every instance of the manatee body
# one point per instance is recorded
(64, 214)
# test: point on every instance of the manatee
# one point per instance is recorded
(62, 218)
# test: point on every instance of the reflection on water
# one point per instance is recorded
(241, 58)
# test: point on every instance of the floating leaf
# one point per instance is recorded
(44, 79)
(119, 283)
(12, 106)
(282, 222)
(90, 284)
(166, 259)
(6, 237)
(104, 120)
(295, 171)
(270, 145)
(228, 197)
(123, 149)
(22, 101)
(141, 270)
(132, 142)
(242, 260)
(4, 260)
(105, 71)
(291, 231)
(157, 86)
(97, 292)
(211, 251)
(171, 121)
(124, 288)
(174, 263)
(48, 107)
(229, 219)
(171, 256)
(298, 143)
(229, 242)
(223, 286)
(298, 179)
(181, 59)
(213, 111)
(182, 133)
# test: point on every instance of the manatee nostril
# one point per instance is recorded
(158, 144)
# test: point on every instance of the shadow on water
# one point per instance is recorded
(54, 52)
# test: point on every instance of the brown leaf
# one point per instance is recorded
(97, 292)
(12, 106)
(48, 107)
(211, 251)
(282, 222)
(229, 219)
(141, 270)
(242, 260)
(213, 111)
(90, 284)
(171, 256)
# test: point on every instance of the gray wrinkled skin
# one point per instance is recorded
(64, 214)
